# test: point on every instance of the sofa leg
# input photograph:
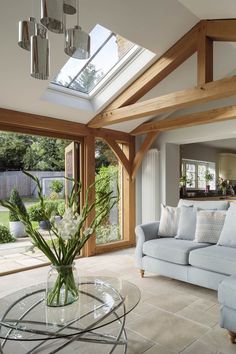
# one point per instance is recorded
(232, 336)
(142, 273)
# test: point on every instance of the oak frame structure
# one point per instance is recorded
(199, 39)
(125, 107)
(26, 123)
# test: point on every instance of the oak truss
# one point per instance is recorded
(199, 39)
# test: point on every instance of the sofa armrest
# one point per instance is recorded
(144, 233)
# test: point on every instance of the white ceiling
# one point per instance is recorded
(225, 144)
(153, 24)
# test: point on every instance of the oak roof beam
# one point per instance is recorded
(172, 101)
(189, 120)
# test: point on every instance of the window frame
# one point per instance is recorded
(197, 163)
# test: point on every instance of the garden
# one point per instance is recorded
(47, 156)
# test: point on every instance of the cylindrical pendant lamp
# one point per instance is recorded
(40, 55)
(69, 7)
(77, 43)
(26, 30)
(53, 16)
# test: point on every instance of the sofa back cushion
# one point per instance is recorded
(228, 234)
(209, 225)
(169, 221)
(205, 204)
(187, 223)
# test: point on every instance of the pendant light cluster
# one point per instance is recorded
(33, 36)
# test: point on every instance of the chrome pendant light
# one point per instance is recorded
(26, 30)
(69, 7)
(77, 42)
(40, 54)
(53, 16)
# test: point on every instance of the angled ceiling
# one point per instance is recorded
(155, 25)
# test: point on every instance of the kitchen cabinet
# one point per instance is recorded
(227, 166)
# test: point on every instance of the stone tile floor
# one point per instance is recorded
(172, 317)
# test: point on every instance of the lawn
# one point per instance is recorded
(4, 218)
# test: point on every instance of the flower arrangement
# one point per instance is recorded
(223, 185)
(68, 235)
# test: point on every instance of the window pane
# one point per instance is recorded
(102, 63)
(107, 49)
(73, 66)
(107, 165)
(201, 176)
(190, 173)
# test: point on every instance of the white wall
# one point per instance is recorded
(168, 145)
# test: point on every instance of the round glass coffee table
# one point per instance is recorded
(98, 317)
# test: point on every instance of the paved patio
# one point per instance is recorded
(18, 255)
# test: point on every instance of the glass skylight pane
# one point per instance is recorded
(107, 49)
(101, 64)
(98, 36)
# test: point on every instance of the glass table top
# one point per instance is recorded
(102, 301)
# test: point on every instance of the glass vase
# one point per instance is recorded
(62, 285)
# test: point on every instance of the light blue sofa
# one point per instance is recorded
(196, 263)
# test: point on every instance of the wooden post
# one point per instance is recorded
(204, 56)
(89, 179)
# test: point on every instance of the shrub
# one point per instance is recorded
(61, 208)
(53, 196)
(5, 235)
(36, 214)
(16, 199)
(56, 186)
(107, 233)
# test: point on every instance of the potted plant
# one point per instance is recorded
(183, 181)
(68, 235)
(56, 187)
(223, 185)
(36, 213)
(208, 178)
(16, 226)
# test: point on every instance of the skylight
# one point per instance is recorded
(109, 52)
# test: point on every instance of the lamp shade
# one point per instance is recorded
(52, 15)
(69, 7)
(26, 30)
(77, 43)
(40, 55)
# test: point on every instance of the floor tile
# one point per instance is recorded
(172, 302)
(168, 329)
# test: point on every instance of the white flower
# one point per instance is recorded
(68, 225)
(88, 231)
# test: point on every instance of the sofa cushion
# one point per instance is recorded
(187, 223)
(169, 221)
(228, 233)
(218, 259)
(170, 249)
(209, 225)
(205, 204)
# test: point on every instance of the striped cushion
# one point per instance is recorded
(209, 225)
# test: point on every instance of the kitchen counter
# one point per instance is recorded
(230, 198)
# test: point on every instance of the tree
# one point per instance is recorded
(46, 154)
(87, 79)
(104, 156)
(12, 150)
(84, 82)
(18, 152)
